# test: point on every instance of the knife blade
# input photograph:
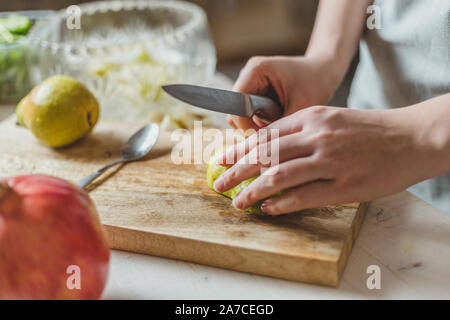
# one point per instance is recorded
(224, 101)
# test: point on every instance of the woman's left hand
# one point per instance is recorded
(328, 155)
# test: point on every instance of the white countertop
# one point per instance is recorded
(406, 237)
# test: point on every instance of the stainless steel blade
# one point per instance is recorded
(212, 99)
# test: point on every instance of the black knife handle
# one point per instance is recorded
(266, 108)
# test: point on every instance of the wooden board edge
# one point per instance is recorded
(351, 238)
(276, 265)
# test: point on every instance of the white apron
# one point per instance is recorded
(405, 62)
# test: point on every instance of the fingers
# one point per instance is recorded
(311, 195)
(241, 123)
(289, 124)
(261, 123)
(239, 150)
(254, 123)
(279, 128)
(286, 175)
(253, 79)
(263, 156)
(230, 120)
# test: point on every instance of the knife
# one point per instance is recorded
(230, 102)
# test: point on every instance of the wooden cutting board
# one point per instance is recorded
(160, 208)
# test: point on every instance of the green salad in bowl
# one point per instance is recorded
(14, 73)
(14, 81)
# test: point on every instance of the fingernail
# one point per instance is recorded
(237, 203)
(267, 206)
(218, 185)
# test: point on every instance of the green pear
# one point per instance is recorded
(59, 111)
(214, 171)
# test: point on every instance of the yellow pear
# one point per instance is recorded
(59, 111)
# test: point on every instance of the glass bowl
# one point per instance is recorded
(124, 51)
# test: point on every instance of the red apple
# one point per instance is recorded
(52, 244)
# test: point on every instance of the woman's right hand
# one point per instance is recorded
(297, 82)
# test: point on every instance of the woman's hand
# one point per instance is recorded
(331, 155)
(297, 83)
(301, 82)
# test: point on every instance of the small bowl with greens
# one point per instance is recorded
(14, 76)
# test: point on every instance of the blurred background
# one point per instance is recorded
(240, 29)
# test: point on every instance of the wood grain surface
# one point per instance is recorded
(160, 208)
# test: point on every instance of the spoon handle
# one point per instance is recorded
(87, 180)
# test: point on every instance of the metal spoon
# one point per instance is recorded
(137, 147)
